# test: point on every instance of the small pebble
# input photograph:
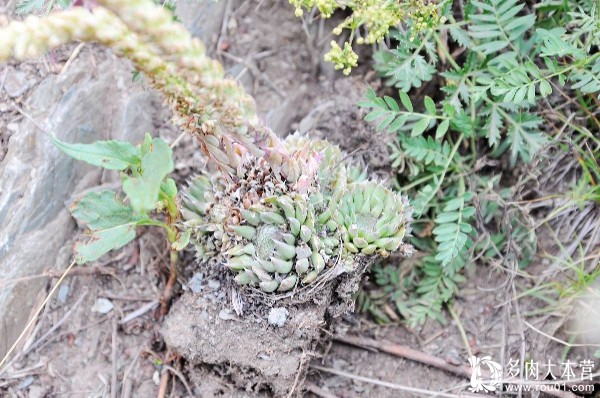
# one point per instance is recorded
(195, 284)
(278, 316)
(63, 293)
(15, 83)
(25, 383)
(226, 315)
(213, 284)
(103, 306)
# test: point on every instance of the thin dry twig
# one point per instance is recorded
(139, 312)
(170, 285)
(414, 355)
(224, 23)
(56, 325)
(33, 318)
(256, 73)
(114, 379)
(164, 382)
(405, 352)
(72, 57)
(461, 329)
(565, 343)
(297, 378)
(181, 378)
(50, 273)
(417, 391)
(126, 383)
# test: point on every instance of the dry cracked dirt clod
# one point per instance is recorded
(254, 356)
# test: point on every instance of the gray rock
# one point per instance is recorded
(202, 18)
(63, 293)
(16, 83)
(36, 178)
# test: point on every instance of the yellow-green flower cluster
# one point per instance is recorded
(344, 59)
(325, 7)
(370, 22)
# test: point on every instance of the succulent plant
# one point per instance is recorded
(275, 235)
(277, 213)
(373, 219)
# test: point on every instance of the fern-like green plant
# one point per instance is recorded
(453, 229)
(508, 67)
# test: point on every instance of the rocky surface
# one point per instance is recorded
(36, 179)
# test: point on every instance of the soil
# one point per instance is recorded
(103, 328)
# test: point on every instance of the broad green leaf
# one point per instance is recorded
(103, 210)
(102, 241)
(169, 188)
(111, 224)
(146, 145)
(143, 190)
(545, 88)
(112, 155)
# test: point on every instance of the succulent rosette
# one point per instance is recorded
(276, 234)
(373, 219)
